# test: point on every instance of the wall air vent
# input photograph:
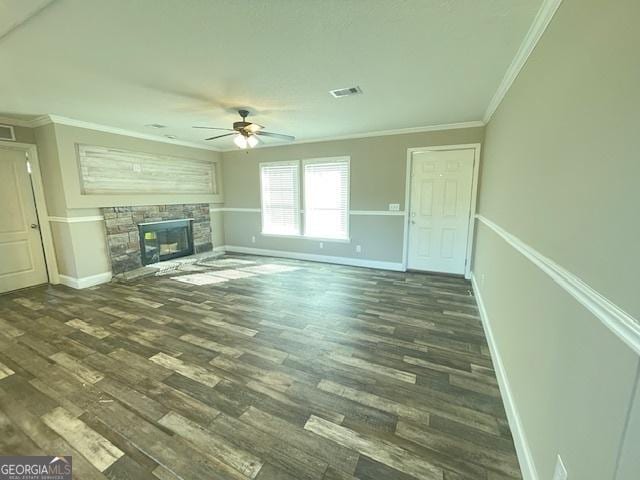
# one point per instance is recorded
(7, 133)
(346, 92)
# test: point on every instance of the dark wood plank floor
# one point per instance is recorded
(294, 371)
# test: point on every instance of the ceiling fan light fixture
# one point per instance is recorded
(246, 134)
(240, 141)
(252, 140)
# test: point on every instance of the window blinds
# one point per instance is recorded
(326, 199)
(280, 198)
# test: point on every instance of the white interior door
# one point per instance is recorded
(440, 203)
(21, 257)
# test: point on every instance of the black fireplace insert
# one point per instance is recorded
(165, 240)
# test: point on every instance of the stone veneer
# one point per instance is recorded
(123, 240)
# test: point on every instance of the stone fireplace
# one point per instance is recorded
(168, 226)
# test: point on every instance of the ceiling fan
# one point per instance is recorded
(246, 133)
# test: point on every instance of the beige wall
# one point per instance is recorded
(560, 171)
(22, 134)
(629, 463)
(81, 249)
(379, 236)
(378, 173)
(217, 225)
(51, 173)
(570, 377)
(63, 246)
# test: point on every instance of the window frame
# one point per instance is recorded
(318, 161)
(298, 205)
(301, 198)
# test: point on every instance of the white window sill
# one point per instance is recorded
(305, 237)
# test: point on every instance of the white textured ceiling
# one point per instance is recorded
(127, 63)
(14, 12)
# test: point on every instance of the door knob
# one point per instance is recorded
(35, 226)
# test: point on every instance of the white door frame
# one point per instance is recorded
(31, 153)
(474, 194)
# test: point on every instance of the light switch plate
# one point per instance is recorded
(560, 472)
(394, 207)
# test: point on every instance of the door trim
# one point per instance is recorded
(31, 153)
(474, 194)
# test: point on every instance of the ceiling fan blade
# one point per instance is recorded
(220, 136)
(253, 128)
(216, 128)
(281, 136)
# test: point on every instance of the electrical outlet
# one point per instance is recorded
(560, 472)
(137, 167)
(358, 248)
(321, 245)
(253, 239)
(394, 207)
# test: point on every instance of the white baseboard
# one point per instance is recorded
(312, 257)
(85, 282)
(523, 451)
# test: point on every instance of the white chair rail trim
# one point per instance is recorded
(95, 218)
(621, 323)
(351, 212)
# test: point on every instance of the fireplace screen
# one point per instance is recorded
(165, 240)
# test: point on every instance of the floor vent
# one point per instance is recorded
(346, 92)
(7, 133)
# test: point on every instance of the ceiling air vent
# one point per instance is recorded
(346, 92)
(7, 133)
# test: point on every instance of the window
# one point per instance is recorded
(326, 198)
(280, 187)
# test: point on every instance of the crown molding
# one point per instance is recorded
(15, 122)
(41, 120)
(72, 122)
(540, 22)
(377, 133)
(60, 120)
